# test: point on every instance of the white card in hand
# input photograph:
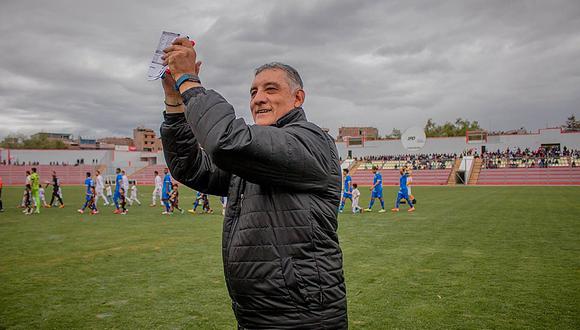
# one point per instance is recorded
(156, 68)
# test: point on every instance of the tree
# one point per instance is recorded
(38, 142)
(459, 128)
(395, 134)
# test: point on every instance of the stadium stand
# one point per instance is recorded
(16, 174)
(391, 177)
(561, 176)
(146, 175)
(527, 167)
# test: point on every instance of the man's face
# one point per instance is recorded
(271, 97)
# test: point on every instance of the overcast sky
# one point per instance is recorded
(80, 66)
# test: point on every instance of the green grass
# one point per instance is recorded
(469, 257)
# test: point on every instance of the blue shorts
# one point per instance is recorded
(403, 194)
(164, 196)
(347, 195)
(88, 197)
(377, 194)
(117, 195)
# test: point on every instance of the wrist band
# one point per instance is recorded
(172, 105)
(186, 77)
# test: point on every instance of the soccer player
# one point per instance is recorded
(118, 186)
(166, 191)
(89, 196)
(133, 197)
(125, 182)
(157, 190)
(55, 191)
(355, 198)
(35, 185)
(347, 189)
(100, 187)
(403, 192)
(174, 198)
(376, 191)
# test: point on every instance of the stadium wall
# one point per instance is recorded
(445, 145)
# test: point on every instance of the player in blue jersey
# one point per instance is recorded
(346, 190)
(403, 192)
(376, 191)
(118, 186)
(166, 191)
(89, 196)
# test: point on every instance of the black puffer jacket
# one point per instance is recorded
(282, 261)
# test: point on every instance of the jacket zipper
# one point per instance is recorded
(232, 231)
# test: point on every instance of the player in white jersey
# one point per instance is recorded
(133, 196)
(125, 182)
(157, 190)
(100, 189)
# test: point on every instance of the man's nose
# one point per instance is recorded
(259, 98)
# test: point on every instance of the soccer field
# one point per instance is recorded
(468, 258)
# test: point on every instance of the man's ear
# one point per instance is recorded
(299, 98)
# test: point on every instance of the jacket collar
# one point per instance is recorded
(296, 114)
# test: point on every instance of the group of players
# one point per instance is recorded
(166, 191)
(96, 188)
(350, 191)
(168, 194)
(34, 197)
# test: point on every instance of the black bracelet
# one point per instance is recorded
(172, 105)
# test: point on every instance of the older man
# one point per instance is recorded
(282, 260)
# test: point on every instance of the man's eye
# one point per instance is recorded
(270, 89)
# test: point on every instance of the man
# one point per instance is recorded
(347, 189)
(100, 189)
(125, 182)
(282, 260)
(89, 196)
(166, 191)
(34, 187)
(403, 192)
(118, 186)
(157, 190)
(55, 191)
(376, 190)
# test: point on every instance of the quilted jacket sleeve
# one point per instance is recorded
(187, 162)
(296, 156)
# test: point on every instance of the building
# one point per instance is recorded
(369, 133)
(64, 137)
(116, 141)
(145, 140)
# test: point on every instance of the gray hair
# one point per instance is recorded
(291, 73)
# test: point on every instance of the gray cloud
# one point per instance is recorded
(80, 66)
